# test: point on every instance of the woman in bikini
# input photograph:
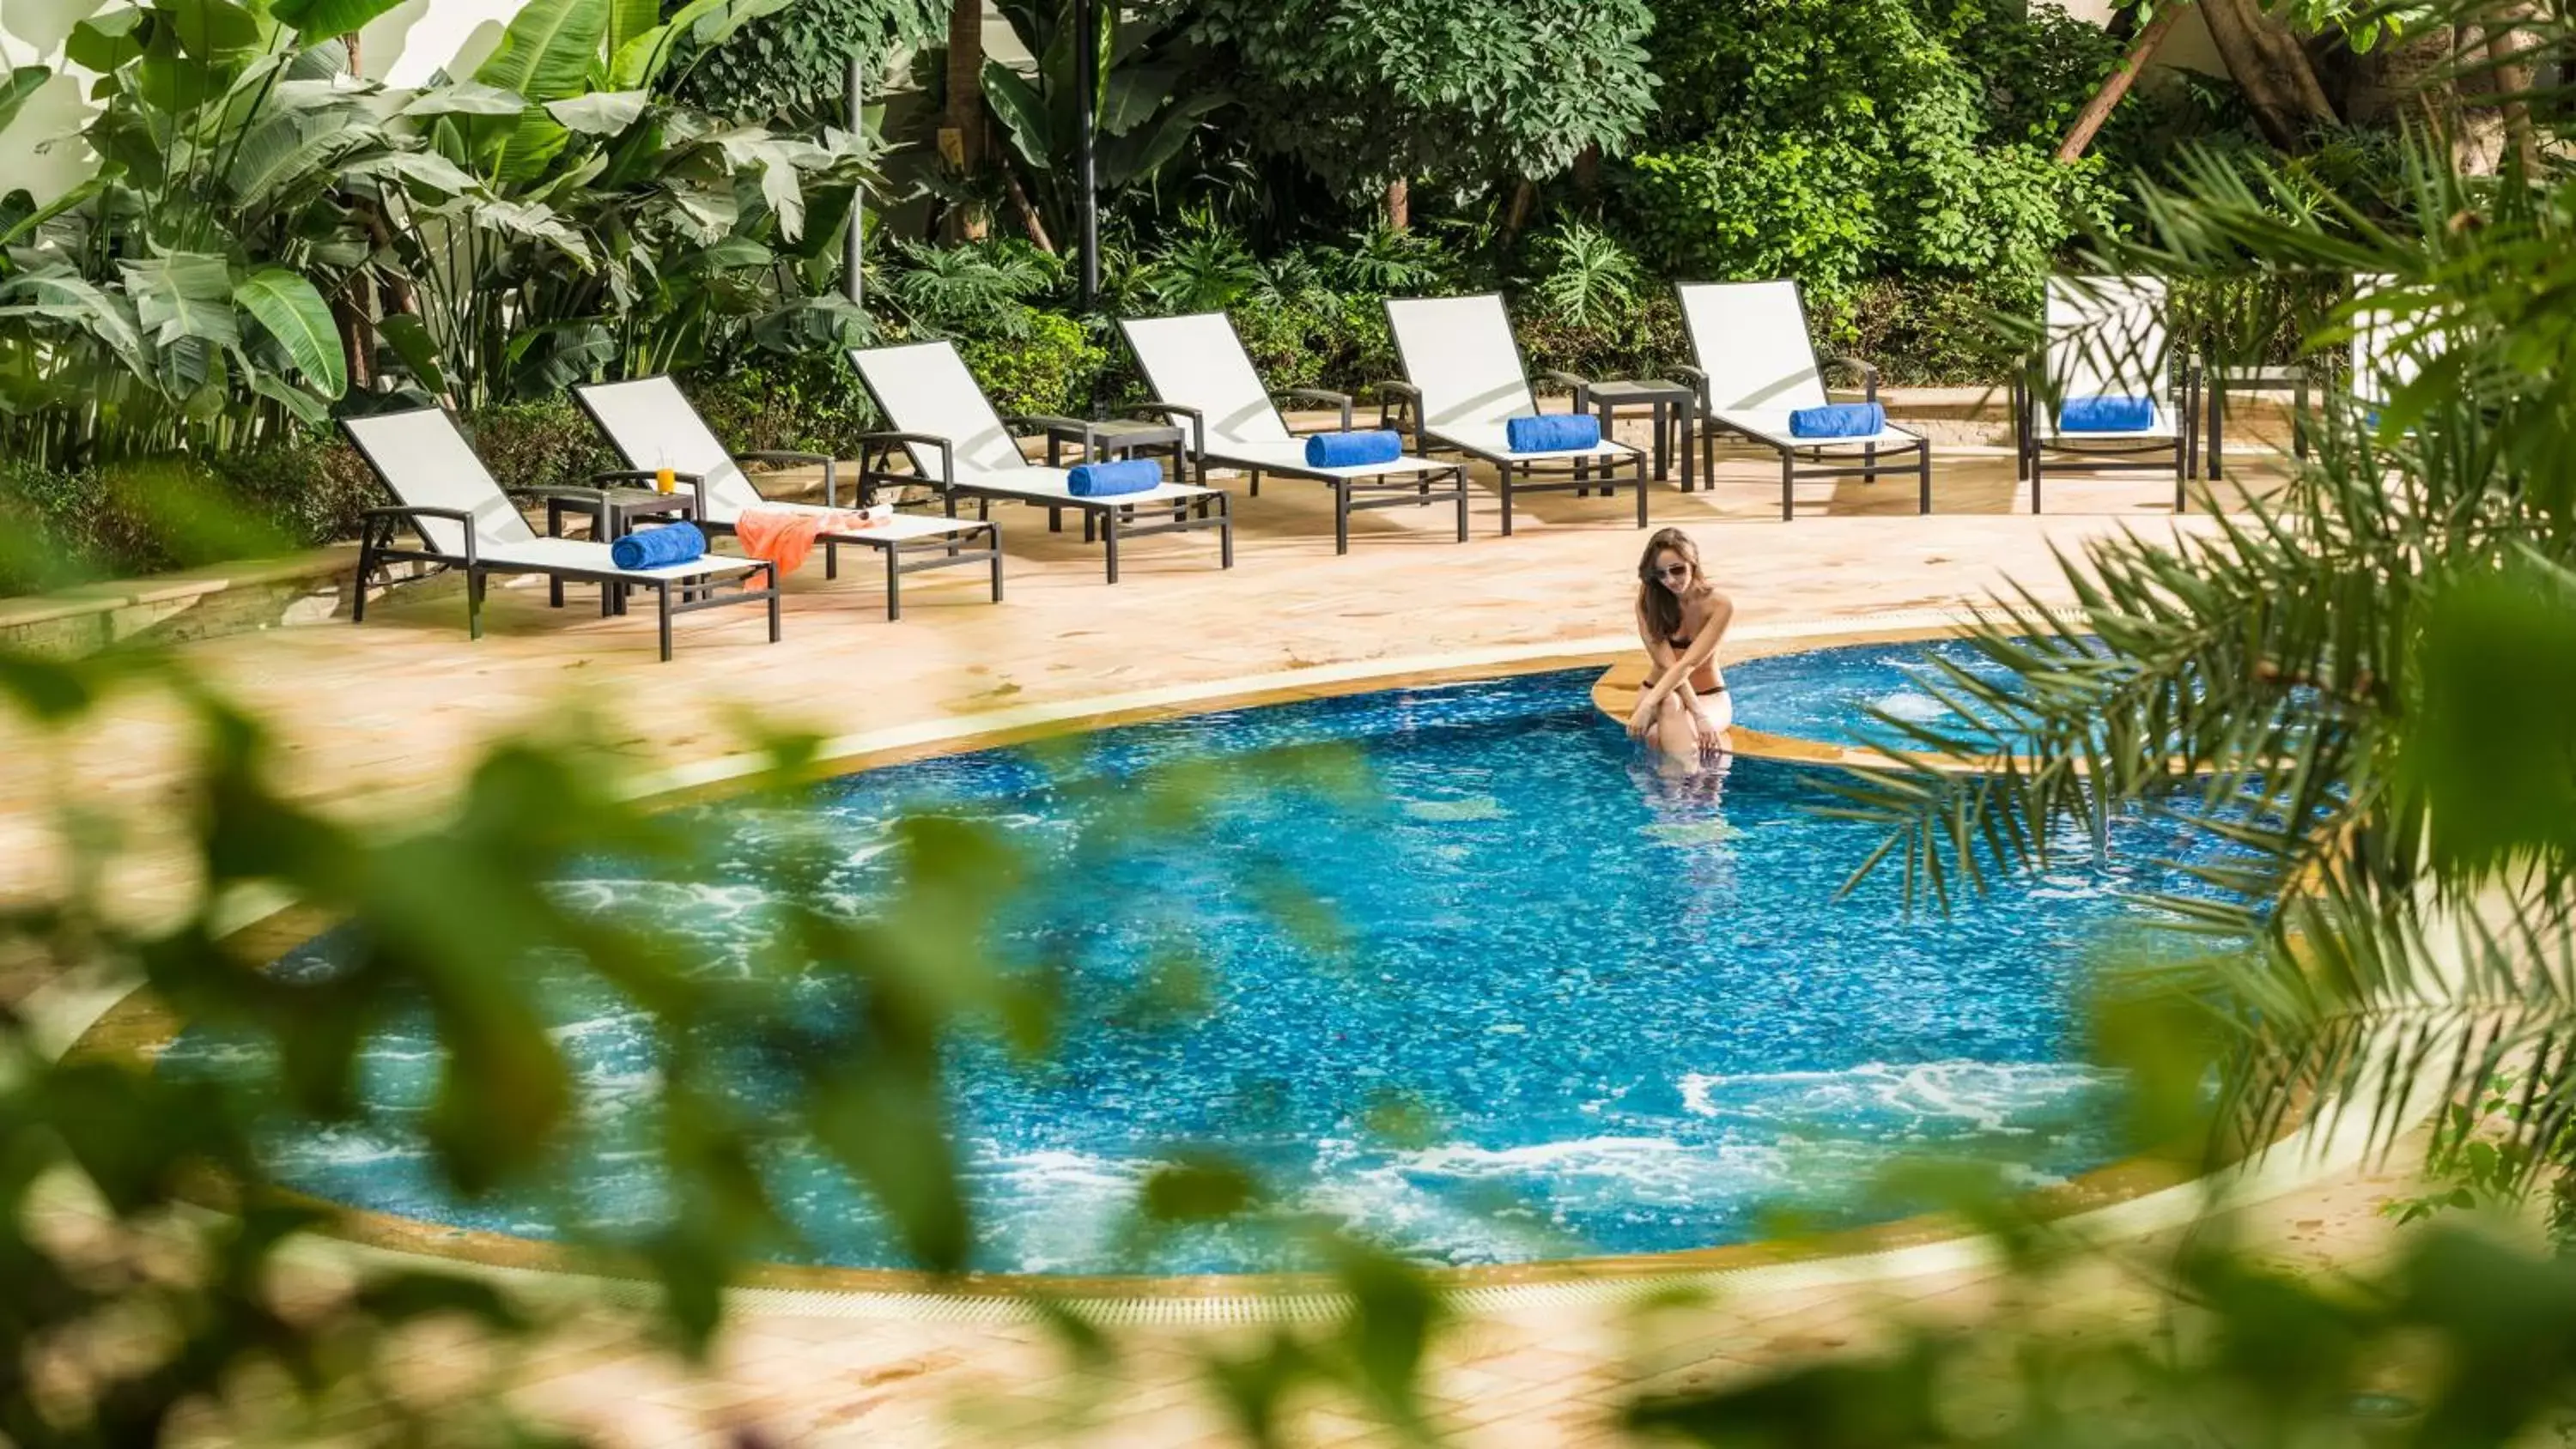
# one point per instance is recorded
(1684, 711)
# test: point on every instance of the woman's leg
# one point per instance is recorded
(1674, 734)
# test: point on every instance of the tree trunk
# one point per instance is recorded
(1399, 205)
(2506, 44)
(1030, 221)
(1517, 214)
(2267, 62)
(2387, 82)
(2098, 110)
(961, 134)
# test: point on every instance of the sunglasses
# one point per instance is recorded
(1673, 571)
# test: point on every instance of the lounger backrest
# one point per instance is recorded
(652, 424)
(924, 387)
(1459, 352)
(2385, 358)
(2106, 337)
(423, 457)
(1197, 361)
(1751, 340)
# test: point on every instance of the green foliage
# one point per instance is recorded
(1837, 142)
(1049, 369)
(137, 516)
(1587, 276)
(1461, 94)
(1154, 98)
(792, 67)
(987, 289)
(179, 297)
(1748, 204)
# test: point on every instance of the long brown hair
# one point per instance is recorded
(1661, 606)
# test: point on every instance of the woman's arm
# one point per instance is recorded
(1674, 673)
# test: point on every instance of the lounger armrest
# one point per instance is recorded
(890, 440)
(1581, 387)
(1324, 395)
(1697, 378)
(1404, 393)
(408, 513)
(1868, 375)
(1167, 410)
(595, 498)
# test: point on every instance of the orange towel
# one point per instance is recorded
(785, 536)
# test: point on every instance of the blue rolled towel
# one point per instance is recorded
(2106, 415)
(1839, 420)
(1352, 450)
(1552, 433)
(1105, 480)
(652, 548)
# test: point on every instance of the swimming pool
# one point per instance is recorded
(1627, 1016)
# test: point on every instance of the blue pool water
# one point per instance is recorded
(1824, 694)
(1633, 1013)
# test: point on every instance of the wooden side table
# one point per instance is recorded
(1676, 411)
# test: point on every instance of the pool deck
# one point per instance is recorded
(374, 722)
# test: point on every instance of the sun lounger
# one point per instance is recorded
(2106, 337)
(653, 426)
(1197, 369)
(960, 446)
(1758, 364)
(1464, 383)
(467, 521)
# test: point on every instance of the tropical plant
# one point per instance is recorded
(1203, 269)
(983, 290)
(1154, 97)
(181, 295)
(2356, 687)
(567, 217)
(1586, 276)
(792, 67)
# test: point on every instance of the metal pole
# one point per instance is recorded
(1086, 82)
(858, 87)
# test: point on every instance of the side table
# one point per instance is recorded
(1115, 438)
(1676, 411)
(2224, 380)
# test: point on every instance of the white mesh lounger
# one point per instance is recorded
(1196, 368)
(1758, 364)
(653, 426)
(1465, 380)
(960, 445)
(2106, 336)
(466, 521)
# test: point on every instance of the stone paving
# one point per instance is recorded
(374, 722)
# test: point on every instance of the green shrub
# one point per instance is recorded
(1835, 141)
(151, 515)
(547, 444)
(1744, 205)
(1643, 338)
(807, 402)
(1051, 369)
(1921, 332)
